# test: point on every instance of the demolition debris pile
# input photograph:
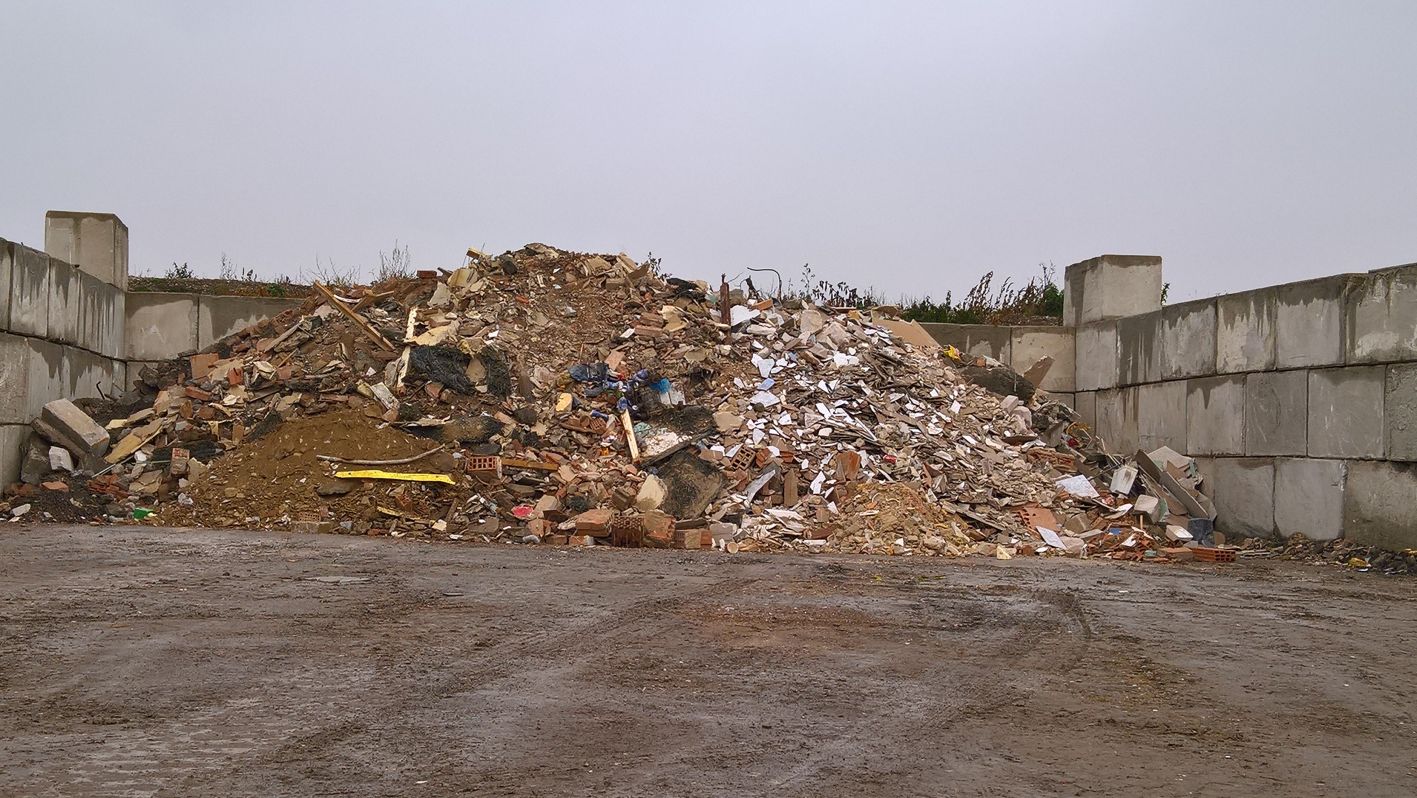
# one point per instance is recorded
(544, 396)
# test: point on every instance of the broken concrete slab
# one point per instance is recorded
(77, 431)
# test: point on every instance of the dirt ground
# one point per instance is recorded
(139, 661)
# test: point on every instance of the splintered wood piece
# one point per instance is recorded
(364, 326)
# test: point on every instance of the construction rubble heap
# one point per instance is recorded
(544, 396)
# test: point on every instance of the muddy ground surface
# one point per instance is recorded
(140, 661)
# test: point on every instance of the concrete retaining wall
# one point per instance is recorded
(62, 336)
(1019, 347)
(67, 332)
(1300, 400)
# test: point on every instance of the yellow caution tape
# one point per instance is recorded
(376, 474)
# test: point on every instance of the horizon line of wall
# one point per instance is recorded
(1299, 401)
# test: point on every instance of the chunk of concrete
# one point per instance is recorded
(1111, 287)
(1346, 412)
(1245, 332)
(1215, 415)
(60, 459)
(1308, 497)
(1379, 508)
(1381, 314)
(1277, 413)
(1308, 322)
(1244, 496)
(1161, 415)
(1139, 355)
(1400, 411)
(77, 431)
(1188, 339)
(650, 495)
(1097, 356)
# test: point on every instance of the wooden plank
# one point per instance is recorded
(364, 326)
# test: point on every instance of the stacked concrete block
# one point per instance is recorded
(1381, 323)
(14, 379)
(101, 317)
(1244, 495)
(979, 340)
(1188, 340)
(1277, 413)
(1215, 415)
(1116, 411)
(1378, 504)
(1139, 349)
(1085, 403)
(64, 303)
(160, 326)
(1161, 415)
(1400, 411)
(13, 438)
(1245, 332)
(95, 242)
(1308, 497)
(1308, 322)
(49, 374)
(220, 316)
(1028, 344)
(29, 292)
(1346, 412)
(1111, 287)
(1096, 359)
(7, 268)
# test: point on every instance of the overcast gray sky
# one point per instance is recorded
(905, 145)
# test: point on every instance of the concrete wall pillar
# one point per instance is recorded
(95, 242)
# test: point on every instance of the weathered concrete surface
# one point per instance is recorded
(1188, 339)
(1380, 504)
(64, 303)
(1161, 415)
(1110, 287)
(7, 268)
(1215, 415)
(1028, 344)
(1097, 356)
(49, 376)
(12, 442)
(95, 242)
(1244, 496)
(1308, 497)
(157, 662)
(1085, 403)
(220, 316)
(980, 340)
(14, 379)
(1277, 413)
(102, 316)
(1117, 418)
(1382, 316)
(1245, 331)
(1309, 322)
(29, 292)
(1400, 411)
(160, 326)
(1346, 412)
(1139, 349)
